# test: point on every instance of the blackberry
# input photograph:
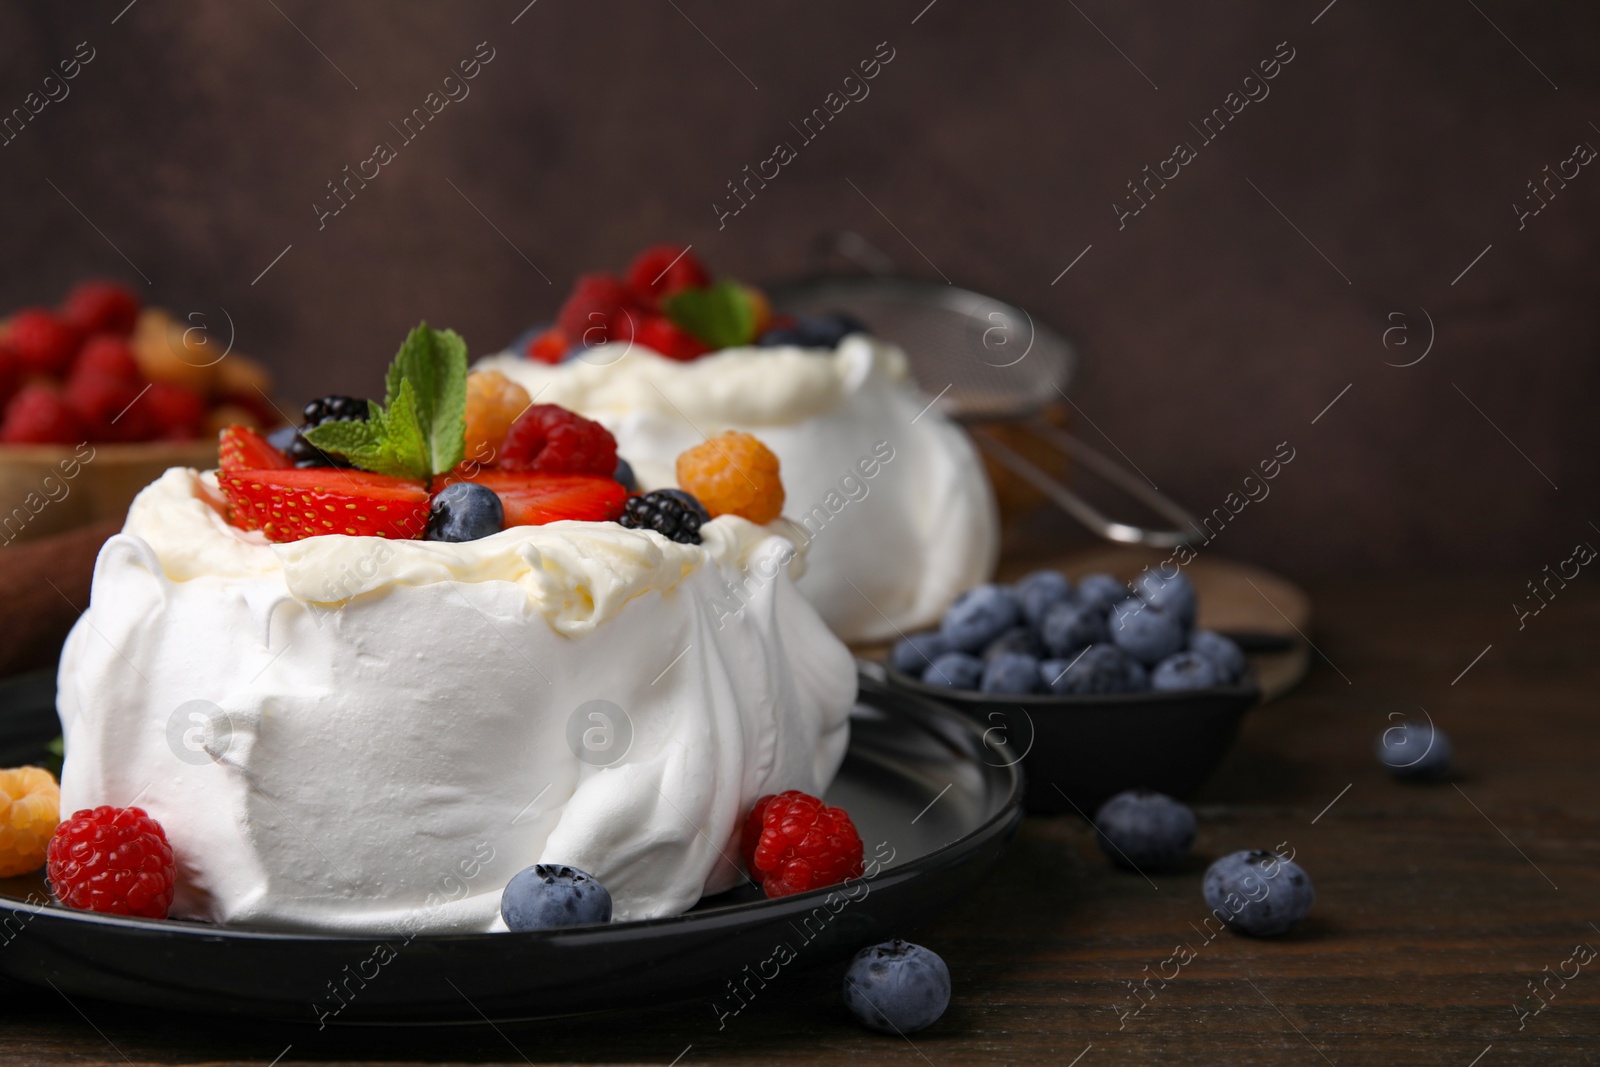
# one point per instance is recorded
(672, 513)
(324, 409)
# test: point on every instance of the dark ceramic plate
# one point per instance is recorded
(918, 778)
(1080, 750)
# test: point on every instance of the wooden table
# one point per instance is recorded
(1436, 905)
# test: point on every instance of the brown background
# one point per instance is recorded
(199, 137)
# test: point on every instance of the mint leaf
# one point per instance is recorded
(403, 438)
(434, 362)
(721, 315)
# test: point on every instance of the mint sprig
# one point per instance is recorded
(722, 315)
(420, 428)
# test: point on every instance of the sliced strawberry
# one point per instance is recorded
(535, 499)
(242, 449)
(288, 505)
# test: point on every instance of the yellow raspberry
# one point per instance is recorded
(30, 808)
(733, 474)
(493, 404)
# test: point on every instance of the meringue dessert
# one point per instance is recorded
(891, 496)
(362, 700)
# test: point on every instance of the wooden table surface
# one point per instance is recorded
(1437, 905)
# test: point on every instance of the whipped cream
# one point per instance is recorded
(367, 736)
(888, 552)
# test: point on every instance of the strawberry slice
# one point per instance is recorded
(242, 449)
(535, 499)
(288, 505)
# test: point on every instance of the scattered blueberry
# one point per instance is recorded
(812, 331)
(1227, 656)
(1010, 672)
(1138, 678)
(913, 654)
(1144, 829)
(1415, 751)
(1017, 639)
(1145, 632)
(1258, 893)
(1097, 669)
(548, 895)
(1068, 627)
(1101, 592)
(897, 987)
(624, 476)
(957, 670)
(464, 511)
(979, 616)
(1174, 594)
(1184, 670)
(1039, 592)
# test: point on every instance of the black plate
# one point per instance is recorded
(1080, 750)
(917, 777)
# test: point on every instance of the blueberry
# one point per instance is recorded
(1011, 672)
(913, 654)
(1258, 893)
(813, 331)
(1174, 593)
(1136, 678)
(1144, 829)
(624, 476)
(1100, 592)
(464, 511)
(979, 616)
(781, 337)
(897, 987)
(1017, 639)
(1415, 750)
(1184, 670)
(1039, 592)
(1097, 669)
(1068, 627)
(956, 670)
(1145, 632)
(1227, 656)
(283, 437)
(548, 895)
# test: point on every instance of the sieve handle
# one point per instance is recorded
(1075, 505)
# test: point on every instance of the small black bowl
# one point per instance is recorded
(1081, 750)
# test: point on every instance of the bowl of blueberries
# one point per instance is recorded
(1104, 685)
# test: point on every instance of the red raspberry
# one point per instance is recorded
(110, 407)
(44, 343)
(665, 336)
(793, 842)
(108, 356)
(175, 413)
(113, 860)
(38, 415)
(587, 316)
(101, 307)
(662, 270)
(552, 440)
(549, 347)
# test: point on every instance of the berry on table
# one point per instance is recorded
(978, 616)
(551, 895)
(549, 439)
(113, 860)
(43, 342)
(1182, 671)
(1102, 668)
(464, 511)
(1145, 830)
(493, 404)
(1040, 591)
(39, 415)
(242, 449)
(955, 670)
(1010, 672)
(289, 505)
(1223, 653)
(1145, 631)
(1100, 592)
(914, 653)
(672, 513)
(322, 410)
(1415, 751)
(793, 842)
(30, 808)
(1068, 626)
(662, 270)
(1258, 893)
(1172, 593)
(897, 987)
(733, 473)
(101, 307)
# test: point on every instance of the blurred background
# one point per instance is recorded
(1369, 199)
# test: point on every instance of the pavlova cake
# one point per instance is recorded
(367, 672)
(889, 495)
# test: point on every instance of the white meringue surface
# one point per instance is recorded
(405, 725)
(888, 552)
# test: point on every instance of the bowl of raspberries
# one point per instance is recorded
(1102, 685)
(101, 394)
